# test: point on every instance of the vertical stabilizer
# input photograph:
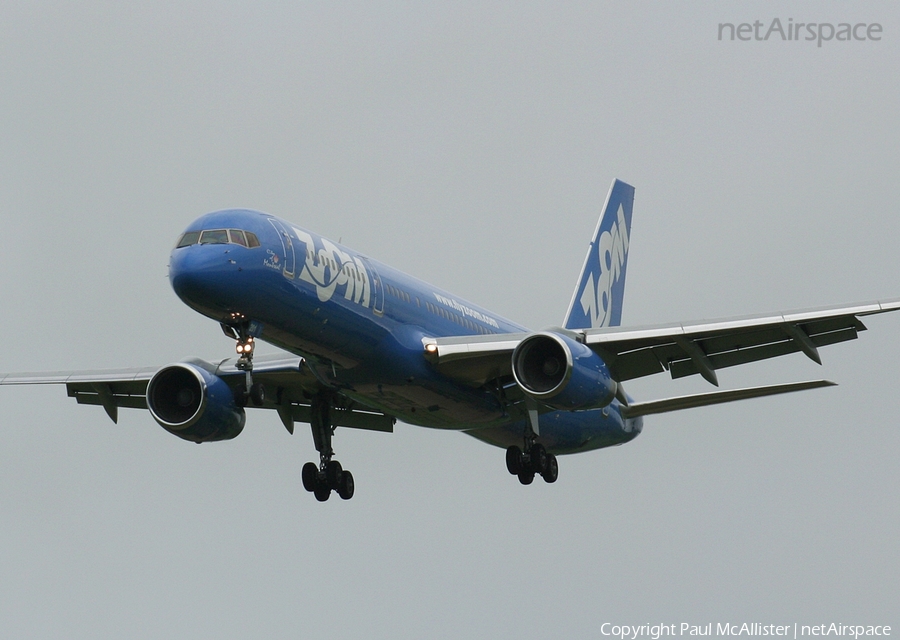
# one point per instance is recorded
(597, 300)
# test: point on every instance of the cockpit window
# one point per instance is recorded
(191, 237)
(214, 236)
(219, 236)
(237, 237)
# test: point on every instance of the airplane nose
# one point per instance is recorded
(202, 276)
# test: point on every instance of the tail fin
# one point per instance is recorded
(597, 300)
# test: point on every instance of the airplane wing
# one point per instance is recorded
(288, 381)
(681, 349)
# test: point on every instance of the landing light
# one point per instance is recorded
(245, 347)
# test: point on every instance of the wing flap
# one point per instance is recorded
(129, 402)
(773, 349)
(352, 418)
(116, 387)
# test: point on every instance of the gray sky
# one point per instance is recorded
(470, 145)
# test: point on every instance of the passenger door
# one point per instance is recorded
(287, 245)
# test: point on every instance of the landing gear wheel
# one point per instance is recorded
(514, 460)
(551, 472)
(345, 490)
(526, 477)
(333, 473)
(322, 492)
(258, 394)
(310, 476)
(538, 458)
(329, 475)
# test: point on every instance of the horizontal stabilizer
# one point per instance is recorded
(718, 397)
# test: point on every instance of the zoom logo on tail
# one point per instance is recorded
(597, 300)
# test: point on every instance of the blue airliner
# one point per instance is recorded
(365, 345)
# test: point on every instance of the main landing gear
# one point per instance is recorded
(328, 476)
(532, 459)
(535, 462)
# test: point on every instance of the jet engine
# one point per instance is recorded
(562, 373)
(191, 402)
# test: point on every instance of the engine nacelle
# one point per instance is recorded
(562, 373)
(191, 402)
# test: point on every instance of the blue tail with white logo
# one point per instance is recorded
(597, 300)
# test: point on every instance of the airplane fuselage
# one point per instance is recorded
(362, 327)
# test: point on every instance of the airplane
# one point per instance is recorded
(364, 345)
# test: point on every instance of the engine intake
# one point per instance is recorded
(562, 373)
(188, 400)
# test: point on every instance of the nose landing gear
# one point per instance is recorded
(245, 345)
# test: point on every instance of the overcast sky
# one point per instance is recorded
(471, 145)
